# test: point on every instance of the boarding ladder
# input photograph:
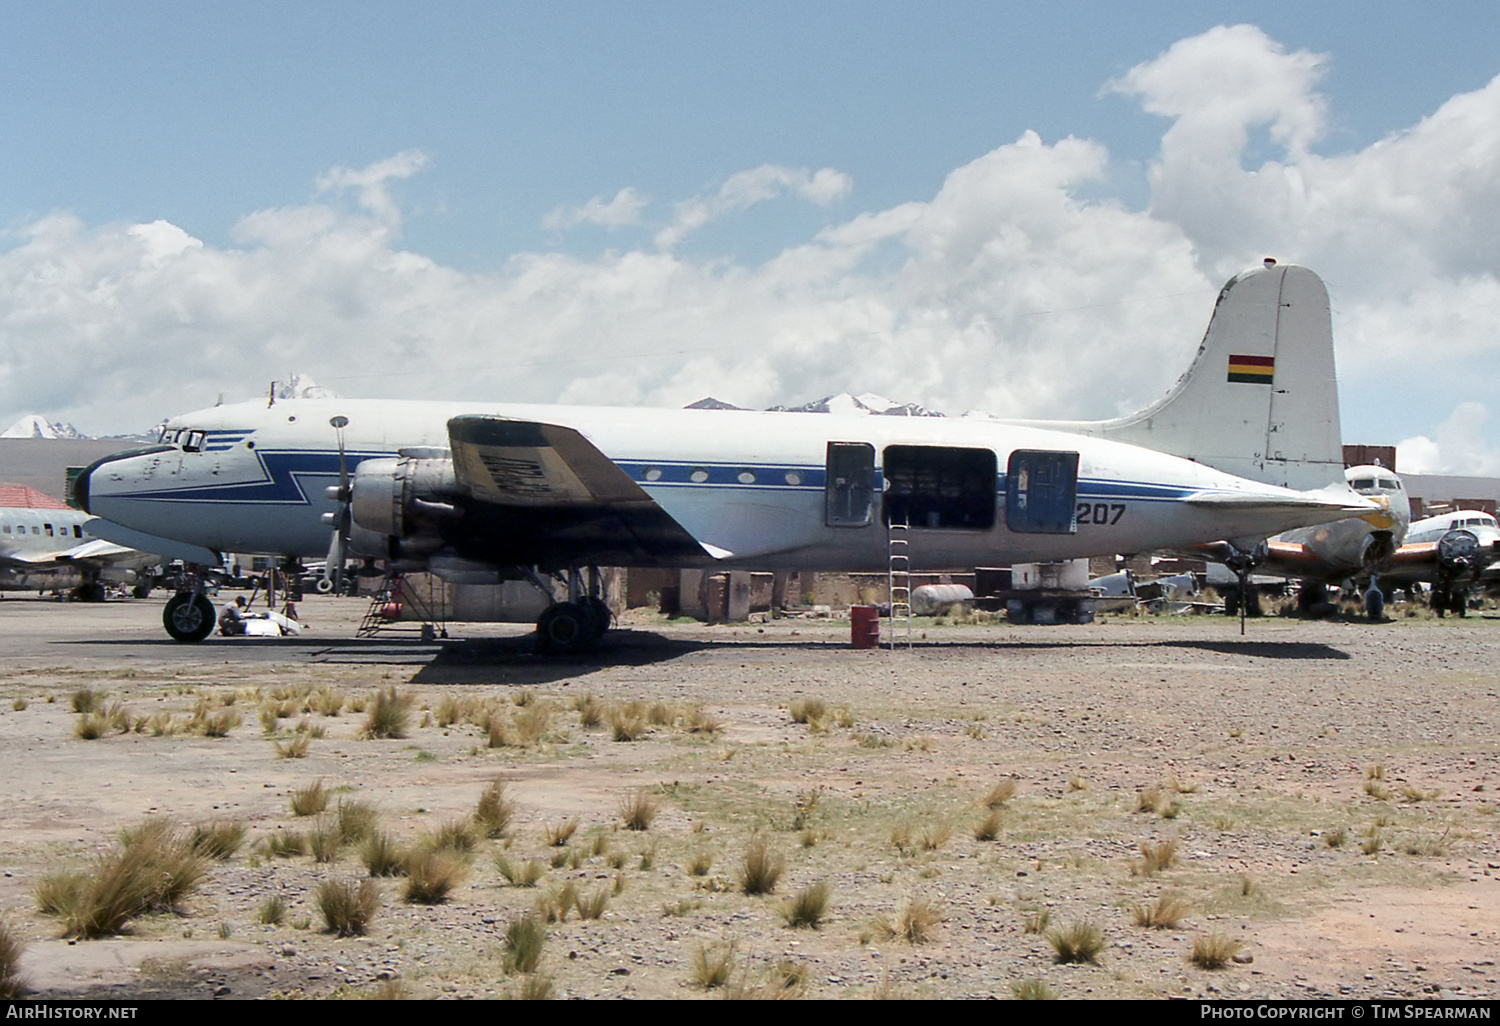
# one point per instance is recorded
(391, 592)
(898, 584)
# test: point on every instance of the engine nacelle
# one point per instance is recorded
(396, 506)
(1458, 552)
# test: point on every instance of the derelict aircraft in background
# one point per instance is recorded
(1244, 446)
(47, 545)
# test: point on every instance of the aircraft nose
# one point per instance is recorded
(1383, 518)
(83, 487)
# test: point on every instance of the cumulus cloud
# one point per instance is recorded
(621, 212)
(370, 183)
(747, 188)
(1461, 446)
(1013, 289)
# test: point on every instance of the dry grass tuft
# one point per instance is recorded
(388, 714)
(12, 983)
(809, 906)
(495, 810)
(558, 833)
(347, 907)
(85, 700)
(1214, 950)
(1032, 990)
(519, 874)
(990, 828)
(700, 863)
(294, 747)
(310, 800)
(219, 840)
(713, 964)
(626, 722)
(917, 922)
(1036, 922)
(1165, 913)
(592, 906)
(1000, 793)
(1078, 942)
(272, 911)
(154, 867)
(286, 844)
(937, 834)
(1155, 857)
(357, 821)
(761, 869)
(383, 855)
(431, 873)
(638, 809)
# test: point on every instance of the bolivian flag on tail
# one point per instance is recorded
(1252, 370)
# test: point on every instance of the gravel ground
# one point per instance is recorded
(1328, 788)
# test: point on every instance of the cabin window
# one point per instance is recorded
(939, 486)
(47, 530)
(1040, 490)
(849, 492)
(77, 531)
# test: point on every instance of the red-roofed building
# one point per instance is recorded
(21, 497)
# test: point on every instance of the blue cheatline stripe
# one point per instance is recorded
(282, 484)
(285, 473)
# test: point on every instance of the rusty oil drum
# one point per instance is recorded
(864, 626)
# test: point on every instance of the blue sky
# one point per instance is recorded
(615, 202)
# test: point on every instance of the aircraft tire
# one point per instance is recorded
(598, 610)
(565, 627)
(1374, 604)
(188, 617)
(1439, 600)
(324, 586)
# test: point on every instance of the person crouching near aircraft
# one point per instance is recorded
(232, 620)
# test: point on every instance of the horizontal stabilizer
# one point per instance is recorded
(1344, 505)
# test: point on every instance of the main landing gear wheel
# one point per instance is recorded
(188, 617)
(565, 628)
(569, 627)
(1375, 604)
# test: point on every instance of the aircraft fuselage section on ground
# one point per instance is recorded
(762, 490)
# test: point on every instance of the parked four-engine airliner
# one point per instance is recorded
(473, 491)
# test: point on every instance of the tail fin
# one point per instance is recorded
(1260, 399)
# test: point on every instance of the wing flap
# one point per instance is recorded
(546, 494)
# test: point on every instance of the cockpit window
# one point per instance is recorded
(194, 442)
(1363, 483)
(1386, 482)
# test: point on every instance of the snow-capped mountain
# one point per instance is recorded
(865, 404)
(34, 425)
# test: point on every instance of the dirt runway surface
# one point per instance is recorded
(1322, 795)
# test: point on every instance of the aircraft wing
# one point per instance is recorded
(99, 551)
(543, 493)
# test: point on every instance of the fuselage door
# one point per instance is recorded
(939, 486)
(1041, 488)
(849, 488)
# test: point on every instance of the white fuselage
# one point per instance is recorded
(751, 487)
(54, 548)
(1348, 547)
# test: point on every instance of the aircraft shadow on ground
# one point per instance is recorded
(515, 661)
